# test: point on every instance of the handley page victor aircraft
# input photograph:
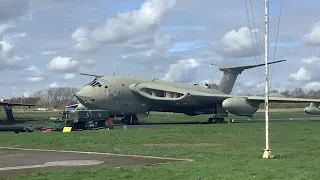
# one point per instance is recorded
(131, 97)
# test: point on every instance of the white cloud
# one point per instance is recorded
(63, 64)
(4, 27)
(17, 58)
(313, 37)
(6, 51)
(89, 62)
(49, 52)
(27, 94)
(157, 42)
(309, 72)
(157, 67)
(301, 75)
(162, 42)
(31, 68)
(239, 43)
(124, 27)
(53, 85)
(34, 79)
(69, 76)
(85, 42)
(183, 70)
(250, 84)
(312, 85)
(312, 61)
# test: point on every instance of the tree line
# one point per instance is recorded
(49, 97)
(63, 96)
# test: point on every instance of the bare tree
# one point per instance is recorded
(57, 97)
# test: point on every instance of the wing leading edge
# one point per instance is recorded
(160, 92)
(259, 99)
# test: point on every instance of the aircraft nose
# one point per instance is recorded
(85, 94)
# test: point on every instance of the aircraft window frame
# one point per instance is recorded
(95, 83)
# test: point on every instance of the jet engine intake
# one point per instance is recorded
(313, 109)
(240, 106)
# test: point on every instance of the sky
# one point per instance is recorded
(47, 43)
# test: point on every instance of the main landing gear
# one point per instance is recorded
(216, 120)
(130, 120)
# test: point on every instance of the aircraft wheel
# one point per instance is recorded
(135, 120)
(216, 120)
(219, 120)
(210, 120)
(125, 120)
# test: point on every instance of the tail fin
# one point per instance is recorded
(230, 75)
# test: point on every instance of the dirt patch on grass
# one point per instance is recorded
(182, 145)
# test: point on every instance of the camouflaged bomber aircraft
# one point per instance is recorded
(132, 97)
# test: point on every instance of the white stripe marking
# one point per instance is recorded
(56, 163)
(85, 152)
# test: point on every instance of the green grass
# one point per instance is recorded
(160, 117)
(225, 151)
(168, 118)
(32, 115)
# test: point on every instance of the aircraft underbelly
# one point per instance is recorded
(123, 107)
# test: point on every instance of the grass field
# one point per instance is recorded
(163, 117)
(224, 151)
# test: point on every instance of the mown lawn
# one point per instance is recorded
(161, 117)
(224, 151)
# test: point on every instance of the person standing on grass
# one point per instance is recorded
(110, 123)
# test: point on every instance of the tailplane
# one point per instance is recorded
(230, 75)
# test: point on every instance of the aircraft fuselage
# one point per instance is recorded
(131, 95)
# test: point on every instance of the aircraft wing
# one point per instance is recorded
(15, 104)
(261, 99)
(283, 99)
(168, 94)
(72, 106)
(77, 106)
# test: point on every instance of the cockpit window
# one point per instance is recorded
(94, 83)
(103, 81)
(99, 83)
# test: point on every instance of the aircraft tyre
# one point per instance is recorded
(215, 120)
(210, 120)
(219, 120)
(135, 120)
(130, 120)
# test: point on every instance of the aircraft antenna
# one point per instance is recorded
(267, 151)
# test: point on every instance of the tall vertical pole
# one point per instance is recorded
(267, 151)
(21, 103)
